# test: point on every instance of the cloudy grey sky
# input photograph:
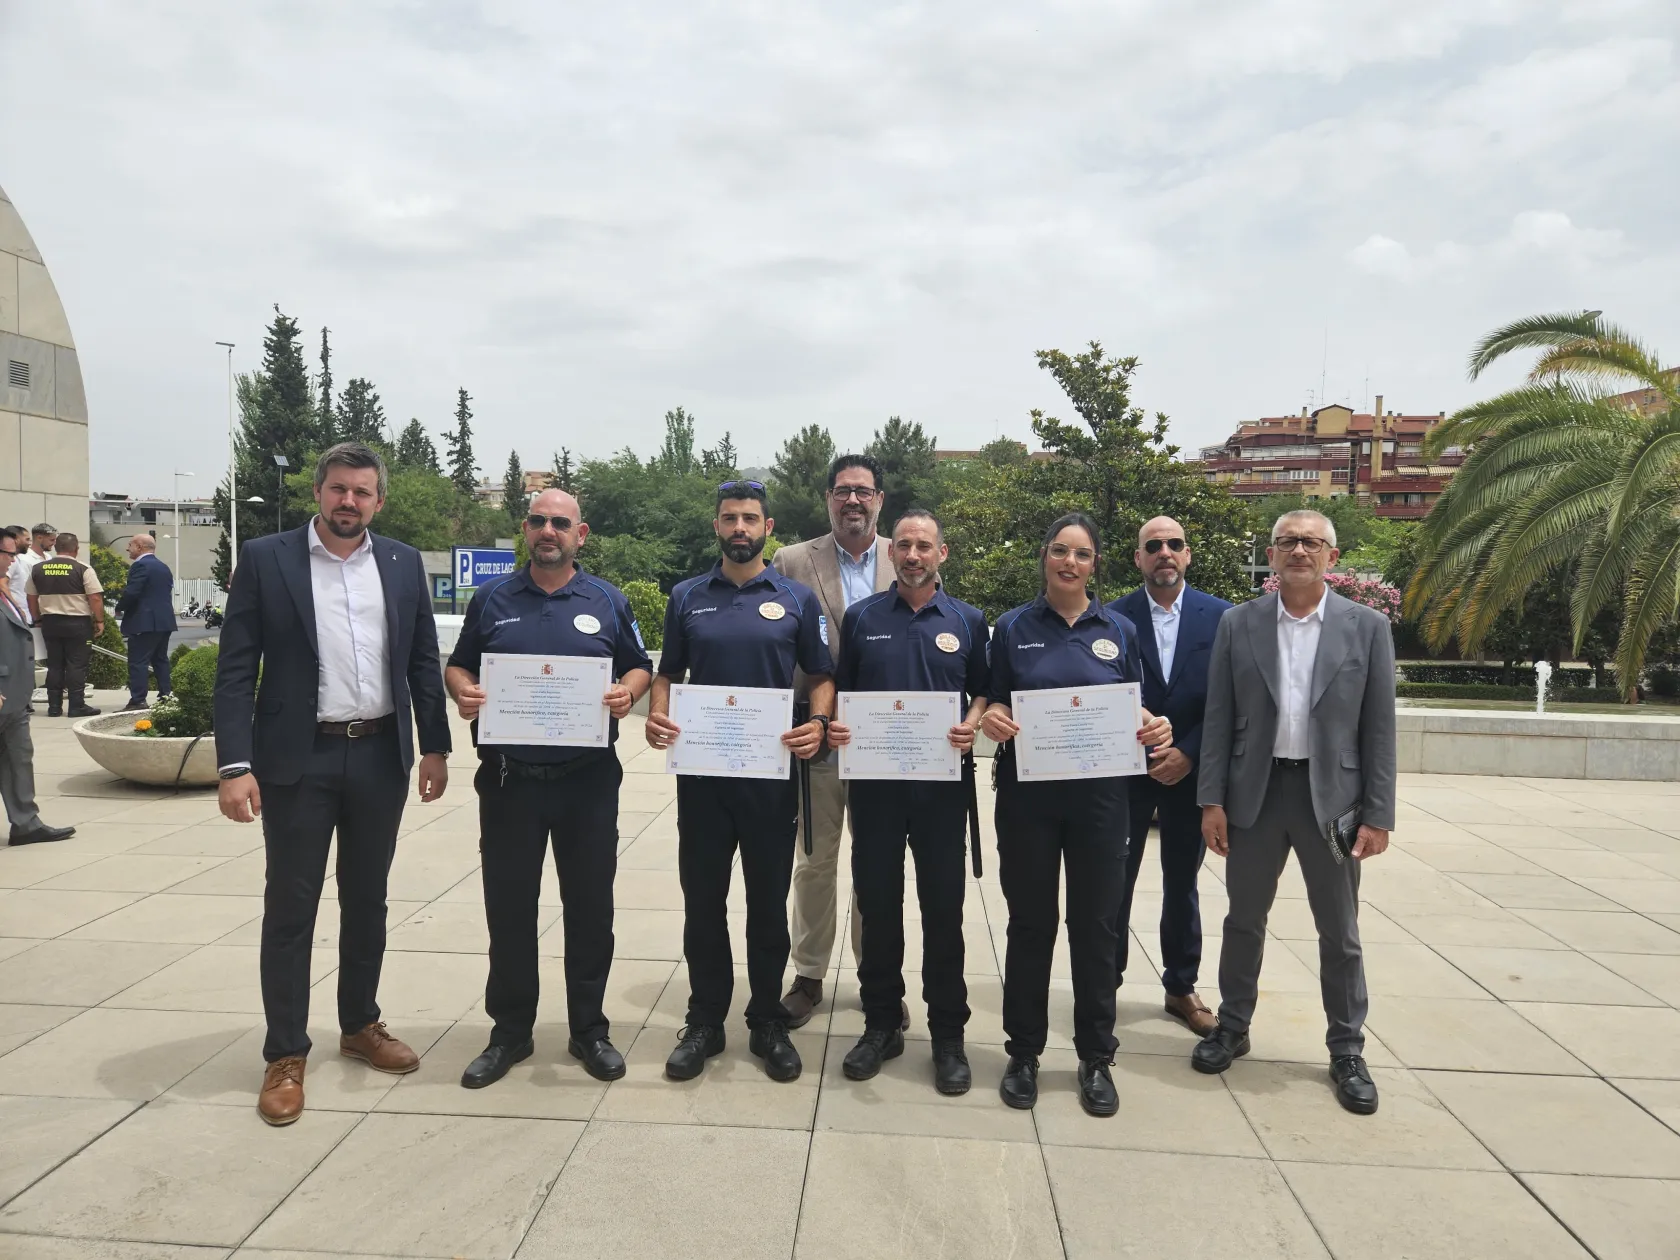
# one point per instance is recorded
(779, 213)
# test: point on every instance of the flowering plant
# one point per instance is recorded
(1373, 594)
(143, 725)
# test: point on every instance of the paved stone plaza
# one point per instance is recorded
(1522, 946)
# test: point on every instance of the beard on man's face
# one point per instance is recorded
(344, 524)
(1166, 575)
(739, 549)
(553, 555)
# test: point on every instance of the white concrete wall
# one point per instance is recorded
(1557, 746)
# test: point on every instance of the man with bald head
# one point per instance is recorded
(147, 613)
(1176, 627)
(531, 796)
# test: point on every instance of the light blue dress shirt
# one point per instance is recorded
(857, 577)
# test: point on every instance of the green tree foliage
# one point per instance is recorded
(647, 603)
(513, 489)
(799, 480)
(361, 416)
(192, 711)
(565, 472)
(463, 468)
(1112, 465)
(720, 462)
(1354, 521)
(112, 571)
(325, 422)
(640, 513)
(912, 469)
(624, 558)
(676, 456)
(415, 449)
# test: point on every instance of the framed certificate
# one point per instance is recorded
(730, 732)
(900, 735)
(1078, 732)
(552, 701)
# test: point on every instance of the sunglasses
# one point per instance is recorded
(536, 520)
(741, 485)
(1154, 545)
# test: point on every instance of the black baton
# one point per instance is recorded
(802, 715)
(973, 812)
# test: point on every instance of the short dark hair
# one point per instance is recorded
(920, 514)
(42, 529)
(843, 462)
(351, 455)
(1080, 521)
(67, 543)
(17, 531)
(744, 489)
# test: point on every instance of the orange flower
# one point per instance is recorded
(144, 724)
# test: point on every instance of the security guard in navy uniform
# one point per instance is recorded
(530, 795)
(1064, 638)
(912, 637)
(740, 625)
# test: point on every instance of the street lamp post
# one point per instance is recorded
(281, 463)
(178, 475)
(233, 472)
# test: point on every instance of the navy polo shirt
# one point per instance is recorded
(887, 646)
(1033, 649)
(720, 636)
(585, 617)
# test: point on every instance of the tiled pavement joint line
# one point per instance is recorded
(1266, 1153)
(1613, 1085)
(308, 1173)
(810, 1145)
(47, 1172)
(558, 1173)
(1044, 1163)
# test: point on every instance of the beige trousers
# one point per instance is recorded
(813, 902)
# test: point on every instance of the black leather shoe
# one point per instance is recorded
(1354, 1088)
(874, 1048)
(599, 1058)
(494, 1063)
(1214, 1052)
(1096, 1088)
(134, 706)
(802, 999)
(1019, 1086)
(85, 710)
(771, 1043)
(695, 1044)
(950, 1067)
(40, 834)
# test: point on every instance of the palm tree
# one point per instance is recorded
(1561, 473)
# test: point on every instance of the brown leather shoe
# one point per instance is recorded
(379, 1050)
(1193, 1011)
(802, 1001)
(281, 1100)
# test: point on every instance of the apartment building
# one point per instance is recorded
(1377, 457)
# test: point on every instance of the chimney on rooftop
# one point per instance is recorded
(1377, 417)
(1303, 411)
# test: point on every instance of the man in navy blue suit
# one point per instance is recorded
(1175, 626)
(147, 610)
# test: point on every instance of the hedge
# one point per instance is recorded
(1466, 672)
(1487, 691)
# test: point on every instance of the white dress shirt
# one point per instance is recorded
(355, 675)
(17, 577)
(1297, 642)
(857, 577)
(1166, 622)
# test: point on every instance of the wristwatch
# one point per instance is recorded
(824, 719)
(233, 772)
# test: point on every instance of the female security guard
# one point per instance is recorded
(1064, 638)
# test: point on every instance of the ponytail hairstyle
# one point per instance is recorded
(1081, 521)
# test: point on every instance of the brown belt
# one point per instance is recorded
(355, 729)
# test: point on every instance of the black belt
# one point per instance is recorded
(544, 771)
(1290, 763)
(355, 729)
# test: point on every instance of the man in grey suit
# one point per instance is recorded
(1299, 730)
(842, 567)
(17, 748)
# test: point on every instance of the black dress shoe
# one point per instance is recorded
(695, 1044)
(771, 1043)
(40, 834)
(950, 1067)
(874, 1048)
(1214, 1052)
(494, 1063)
(1096, 1088)
(1019, 1086)
(599, 1058)
(134, 706)
(1354, 1088)
(903, 1016)
(85, 710)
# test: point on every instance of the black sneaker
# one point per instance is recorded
(1214, 1052)
(951, 1075)
(695, 1044)
(1355, 1089)
(1019, 1086)
(874, 1048)
(1096, 1088)
(771, 1043)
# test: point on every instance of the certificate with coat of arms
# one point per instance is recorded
(548, 701)
(900, 735)
(1078, 732)
(730, 732)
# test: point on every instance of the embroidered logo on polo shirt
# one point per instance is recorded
(770, 610)
(947, 642)
(586, 623)
(822, 628)
(507, 621)
(1106, 649)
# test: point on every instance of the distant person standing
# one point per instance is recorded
(66, 602)
(17, 749)
(34, 546)
(147, 610)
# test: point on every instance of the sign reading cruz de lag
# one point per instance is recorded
(474, 566)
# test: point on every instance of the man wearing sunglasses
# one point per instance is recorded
(1298, 753)
(843, 566)
(530, 797)
(1176, 627)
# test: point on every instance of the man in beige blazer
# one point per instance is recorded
(842, 567)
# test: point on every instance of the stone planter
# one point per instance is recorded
(168, 761)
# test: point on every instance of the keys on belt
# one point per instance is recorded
(1290, 763)
(355, 729)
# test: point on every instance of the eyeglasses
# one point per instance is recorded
(538, 521)
(1175, 545)
(741, 485)
(863, 494)
(1061, 551)
(1288, 543)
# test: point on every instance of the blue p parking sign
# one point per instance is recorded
(474, 566)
